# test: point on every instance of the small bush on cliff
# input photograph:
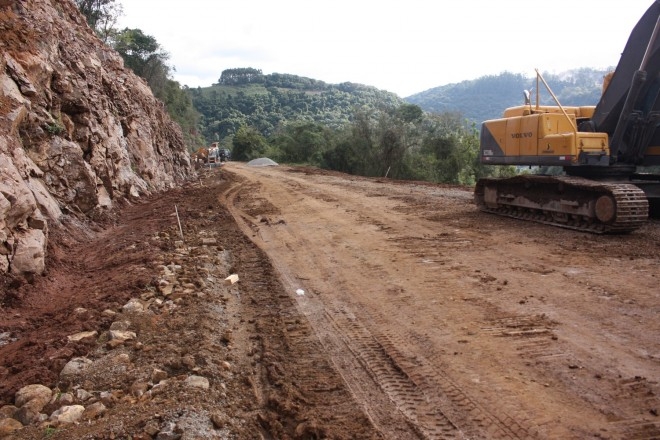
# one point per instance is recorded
(54, 128)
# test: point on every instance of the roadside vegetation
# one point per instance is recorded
(144, 55)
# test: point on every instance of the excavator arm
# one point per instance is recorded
(629, 110)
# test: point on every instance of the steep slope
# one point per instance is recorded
(79, 133)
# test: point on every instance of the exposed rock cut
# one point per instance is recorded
(78, 131)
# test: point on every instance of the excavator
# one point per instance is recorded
(604, 151)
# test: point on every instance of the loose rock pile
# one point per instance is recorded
(134, 363)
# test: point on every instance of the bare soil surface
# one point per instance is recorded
(364, 309)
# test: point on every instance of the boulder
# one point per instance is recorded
(36, 396)
(67, 414)
(8, 427)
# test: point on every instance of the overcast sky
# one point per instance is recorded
(404, 47)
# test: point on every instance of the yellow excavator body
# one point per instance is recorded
(604, 151)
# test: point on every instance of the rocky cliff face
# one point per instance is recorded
(78, 131)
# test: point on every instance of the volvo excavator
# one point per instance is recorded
(602, 149)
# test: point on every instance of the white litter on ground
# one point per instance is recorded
(262, 162)
(300, 292)
(231, 279)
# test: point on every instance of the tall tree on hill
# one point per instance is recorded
(143, 54)
(243, 75)
(302, 142)
(101, 15)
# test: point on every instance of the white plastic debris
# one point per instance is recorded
(300, 292)
(231, 279)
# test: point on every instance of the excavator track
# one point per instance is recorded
(568, 202)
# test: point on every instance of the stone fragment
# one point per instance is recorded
(197, 382)
(170, 432)
(134, 305)
(157, 375)
(9, 426)
(189, 361)
(121, 335)
(67, 414)
(74, 367)
(219, 419)
(7, 411)
(152, 427)
(166, 289)
(82, 335)
(138, 388)
(120, 325)
(37, 395)
(63, 399)
(83, 395)
(107, 398)
(30, 253)
(122, 358)
(26, 415)
(94, 411)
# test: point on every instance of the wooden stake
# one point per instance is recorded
(178, 221)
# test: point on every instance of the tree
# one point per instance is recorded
(410, 113)
(143, 55)
(244, 75)
(101, 15)
(302, 142)
(180, 108)
(248, 144)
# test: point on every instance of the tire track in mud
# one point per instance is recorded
(379, 409)
(421, 409)
(533, 338)
(298, 387)
(476, 416)
(424, 396)
(439, 406)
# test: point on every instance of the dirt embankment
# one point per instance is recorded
(365, 308)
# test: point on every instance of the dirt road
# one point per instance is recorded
(367, 309)
(459, 323)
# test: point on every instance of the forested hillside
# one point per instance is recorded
(346, 127)
(246, 97)
(487, 97)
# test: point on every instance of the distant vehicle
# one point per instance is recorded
(213, 155)
(225, 154)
